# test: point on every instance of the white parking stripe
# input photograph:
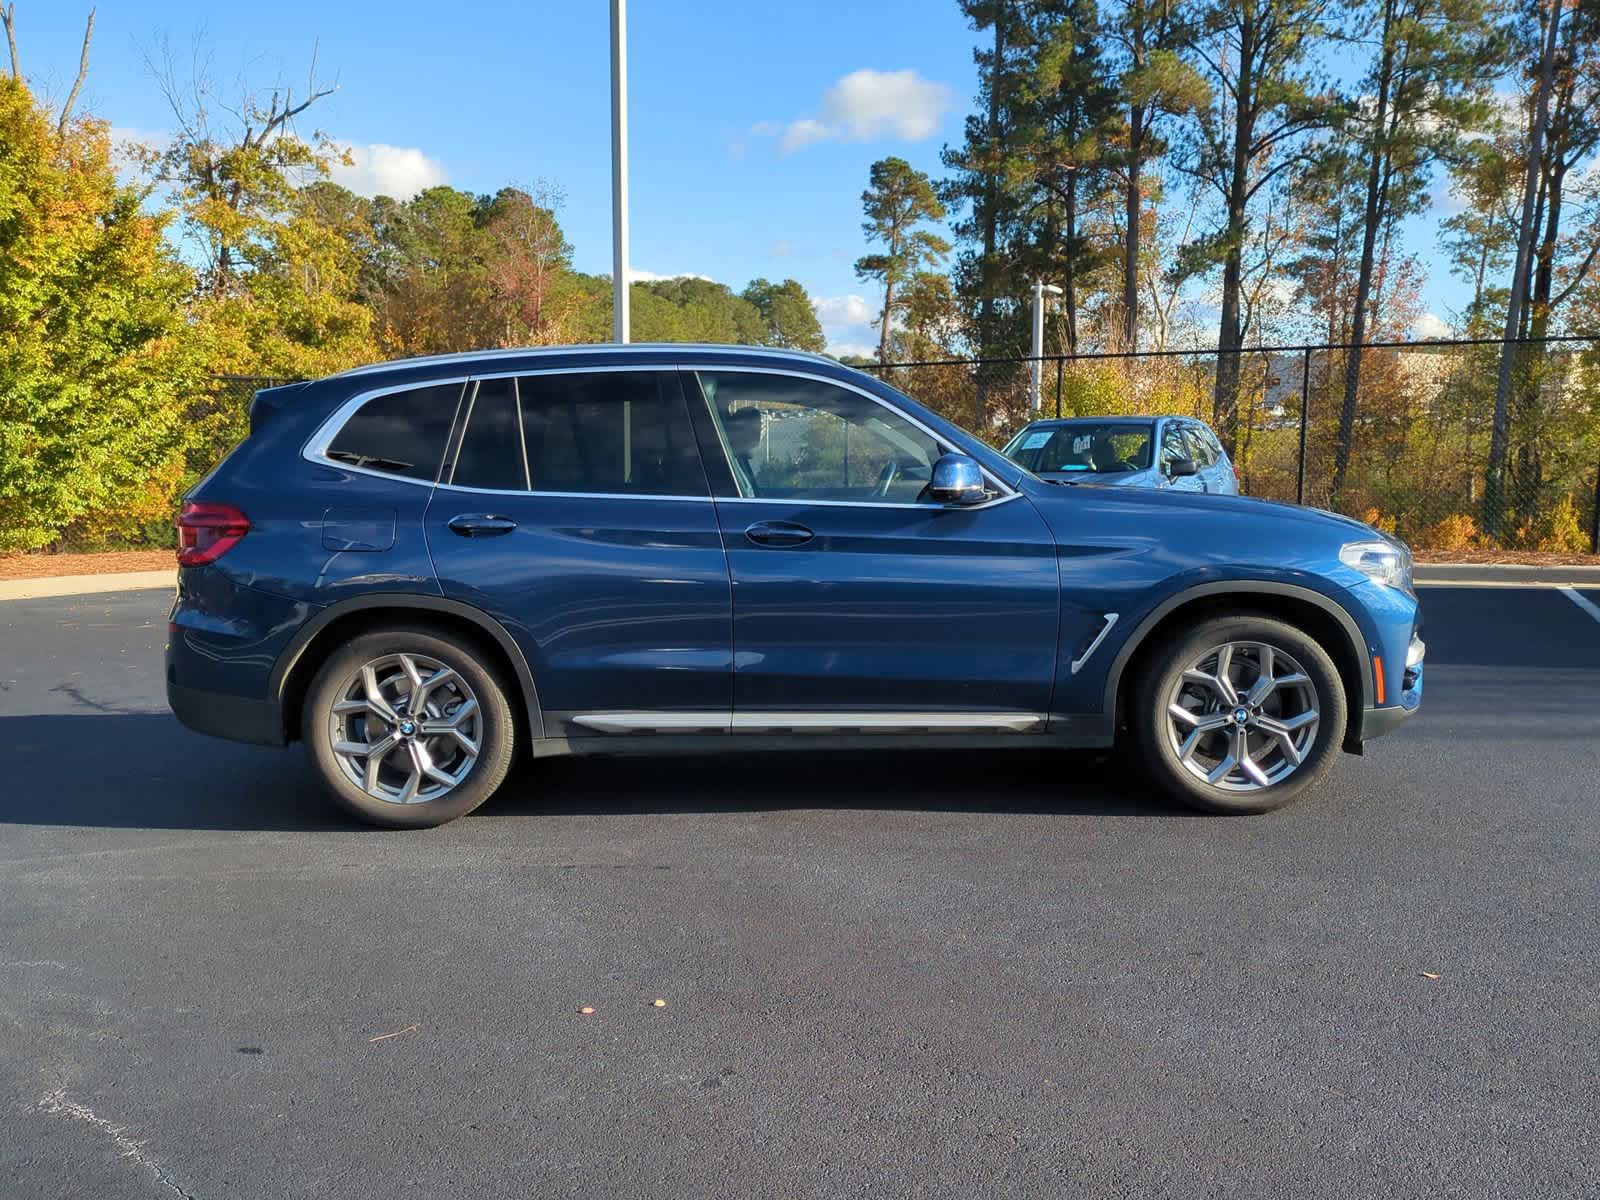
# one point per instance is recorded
(1582, 601)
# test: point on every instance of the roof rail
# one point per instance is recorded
(586, 348)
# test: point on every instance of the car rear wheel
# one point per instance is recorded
(1239, 714)
(408, 728)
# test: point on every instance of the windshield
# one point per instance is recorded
(1100, 448)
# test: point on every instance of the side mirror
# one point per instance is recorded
(1179, 467)
(957, 479)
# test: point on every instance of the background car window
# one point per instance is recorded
(1173, 447)
(491, 447)
(1108, 449)
(1199, 448)
(1213, 446)
(610, 432)
(793, 438)
(402, 433)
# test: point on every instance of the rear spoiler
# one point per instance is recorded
(268, 401)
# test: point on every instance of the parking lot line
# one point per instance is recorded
(1582, 601)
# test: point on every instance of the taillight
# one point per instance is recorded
(208, 531)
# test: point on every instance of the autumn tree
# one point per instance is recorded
(94, 351)
(786, 310)
(1255, 57)
(1154, 84)
(1425, 87)
(897, 201)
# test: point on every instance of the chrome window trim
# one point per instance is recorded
(315, 450)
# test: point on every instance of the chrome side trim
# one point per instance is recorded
(1077, 663)
(655, 722)
(808, 722)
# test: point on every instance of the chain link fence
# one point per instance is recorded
(1411, 456)
(1417, 455)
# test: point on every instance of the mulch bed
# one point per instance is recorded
(41, 566)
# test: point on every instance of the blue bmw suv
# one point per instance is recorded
(426, 569)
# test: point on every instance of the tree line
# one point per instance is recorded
(1234, 173)
(230, 251)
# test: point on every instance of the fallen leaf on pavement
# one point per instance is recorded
(587, 1010)
(661, 1003)
(1430, 975)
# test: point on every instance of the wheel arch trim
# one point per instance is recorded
(1244, 588)
(413, 604)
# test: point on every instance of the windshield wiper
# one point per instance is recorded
(368, 460)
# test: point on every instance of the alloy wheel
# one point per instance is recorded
(406, 729)
(1243, 716)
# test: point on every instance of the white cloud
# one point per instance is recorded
(635, 275)
(1430, 325)
(780, 248)
(378, 169)
(843, 310)
(853, 349)
(865, 106)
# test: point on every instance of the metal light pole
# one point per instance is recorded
(619, 171)
(1036, 367)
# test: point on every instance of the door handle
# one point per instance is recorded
(778, 533)
(475, 525)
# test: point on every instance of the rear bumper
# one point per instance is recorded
(223, 641)
(221, 715)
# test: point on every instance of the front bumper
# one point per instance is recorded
(1375, 722)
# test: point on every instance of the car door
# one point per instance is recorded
(575, 510)
(857, 604)
(1173, 446)
(1219, 473)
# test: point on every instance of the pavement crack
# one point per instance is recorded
(56, 1104)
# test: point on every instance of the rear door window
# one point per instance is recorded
(610, 433)
(399, 433)
(491, 453)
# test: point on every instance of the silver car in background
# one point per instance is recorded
(1177, 452)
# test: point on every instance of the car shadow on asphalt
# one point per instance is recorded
(145, 771)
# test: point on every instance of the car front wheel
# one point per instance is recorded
(408, 728)
(1239, 714)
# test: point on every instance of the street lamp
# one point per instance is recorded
(1036, 367)
(619, 171)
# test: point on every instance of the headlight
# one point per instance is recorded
(1382, 562)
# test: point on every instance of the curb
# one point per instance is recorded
(86, 585)
(1504, 575)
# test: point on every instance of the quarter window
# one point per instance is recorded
(401, 433)
(611, 432)
(788, 437)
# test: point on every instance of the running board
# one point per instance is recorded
(809, 722)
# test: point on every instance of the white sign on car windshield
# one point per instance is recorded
(1034, 440)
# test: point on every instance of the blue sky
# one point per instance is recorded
(752, 125)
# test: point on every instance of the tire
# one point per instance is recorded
(469, 743)
(1288, 751)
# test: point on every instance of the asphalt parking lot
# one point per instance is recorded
(892, 975)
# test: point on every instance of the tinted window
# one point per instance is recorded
(610, 432)
(491, 447)
(792, 438)
(403, 433)
(1103, 448)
